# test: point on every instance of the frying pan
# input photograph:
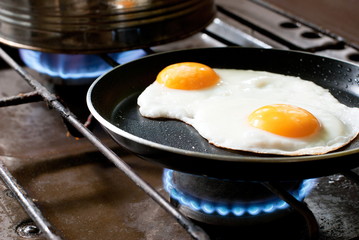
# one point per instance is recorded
(176, 145)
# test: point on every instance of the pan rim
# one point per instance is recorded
(273, 159)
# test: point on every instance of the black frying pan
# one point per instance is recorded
(112, 101)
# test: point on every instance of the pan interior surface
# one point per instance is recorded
(167, 132)
(113, 98)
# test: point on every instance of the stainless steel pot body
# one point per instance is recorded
(95, 26)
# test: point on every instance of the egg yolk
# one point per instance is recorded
(188, 76)
(285, 120)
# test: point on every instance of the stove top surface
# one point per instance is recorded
(84, 196)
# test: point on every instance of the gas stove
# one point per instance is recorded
(61, 181)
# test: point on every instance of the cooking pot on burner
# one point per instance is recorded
(94, 26)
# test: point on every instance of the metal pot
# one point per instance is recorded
(95, 26)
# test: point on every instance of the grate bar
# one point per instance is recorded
(312, 224)
(20, 99)
(109, 60)
(195, 231)
(27, 204)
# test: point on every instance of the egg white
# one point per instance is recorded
(220, 113)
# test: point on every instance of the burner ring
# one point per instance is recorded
(218, 201)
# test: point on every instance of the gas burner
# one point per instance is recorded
(229, 202)
(75, 182)
(74, 69)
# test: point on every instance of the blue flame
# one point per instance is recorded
(74, 66)
(238, 210)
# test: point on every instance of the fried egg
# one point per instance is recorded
(253, 111)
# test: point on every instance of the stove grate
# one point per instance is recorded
(40, 93)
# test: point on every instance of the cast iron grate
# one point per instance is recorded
(40, 93)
